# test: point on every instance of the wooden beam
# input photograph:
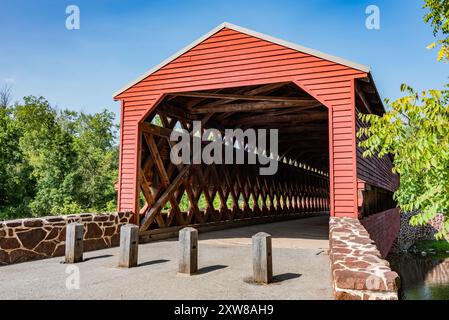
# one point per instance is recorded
(368, 88)
(361, 95)
(193, 102)
(265, 89)
(150, 128)
(277, 120)
(309, 137)
(157, 159)
(151, 214)
(230, 96)
(145, 188)
(164, 132)
(308, 128)
(173, 111)
(163, 175)
(257, 106)
(206, 118)
(284, 153)
(223, 116)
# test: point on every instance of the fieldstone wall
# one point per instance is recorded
(38, 238)
(409, 235)
(358, 270)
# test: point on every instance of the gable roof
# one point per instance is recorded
(249, 32)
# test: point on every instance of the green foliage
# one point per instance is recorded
(56, 162)
(416, 132)
(15, 172)
(184, 204)
(438, 18)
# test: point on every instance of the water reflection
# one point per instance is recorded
(422, 278)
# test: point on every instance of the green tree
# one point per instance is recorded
(438, 12)
(16, 185)
(48, 149)
(415, 130)
(56, 162)
(97, 161)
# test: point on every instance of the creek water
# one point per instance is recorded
(422, 277)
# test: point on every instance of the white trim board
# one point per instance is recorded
(254, 34)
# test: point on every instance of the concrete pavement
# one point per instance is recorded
(300, 265)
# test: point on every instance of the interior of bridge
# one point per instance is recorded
(176, 195)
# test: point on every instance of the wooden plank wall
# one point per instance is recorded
(231, 59)
(374, 171)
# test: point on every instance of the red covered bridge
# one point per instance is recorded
(233, 77)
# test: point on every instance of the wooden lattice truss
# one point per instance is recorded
(176, 195)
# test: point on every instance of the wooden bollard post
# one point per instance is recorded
(188, 250)
(74, 243)
(262, 258)
(129, 246)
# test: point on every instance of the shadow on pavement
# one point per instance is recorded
(211, 268)
(98, 257)
(149, 263)
(286, 276)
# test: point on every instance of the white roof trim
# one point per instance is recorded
(254, 34)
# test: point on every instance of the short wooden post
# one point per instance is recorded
(129, 246)
(74, 243)
(262, 258)
(188, 250)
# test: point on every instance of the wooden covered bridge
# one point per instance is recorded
(233, 77)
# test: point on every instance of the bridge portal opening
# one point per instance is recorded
(175, 195)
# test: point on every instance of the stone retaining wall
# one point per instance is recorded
(358, 270)
(409, 235)
(38, 238)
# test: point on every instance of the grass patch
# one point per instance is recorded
(439, 246)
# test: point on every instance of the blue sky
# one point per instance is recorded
(120, 40)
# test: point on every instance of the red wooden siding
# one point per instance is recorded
(375, 171)
(337, 94)
(230, 59)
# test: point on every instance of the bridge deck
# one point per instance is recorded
(299, 263)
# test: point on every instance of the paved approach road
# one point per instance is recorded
(300, 265)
